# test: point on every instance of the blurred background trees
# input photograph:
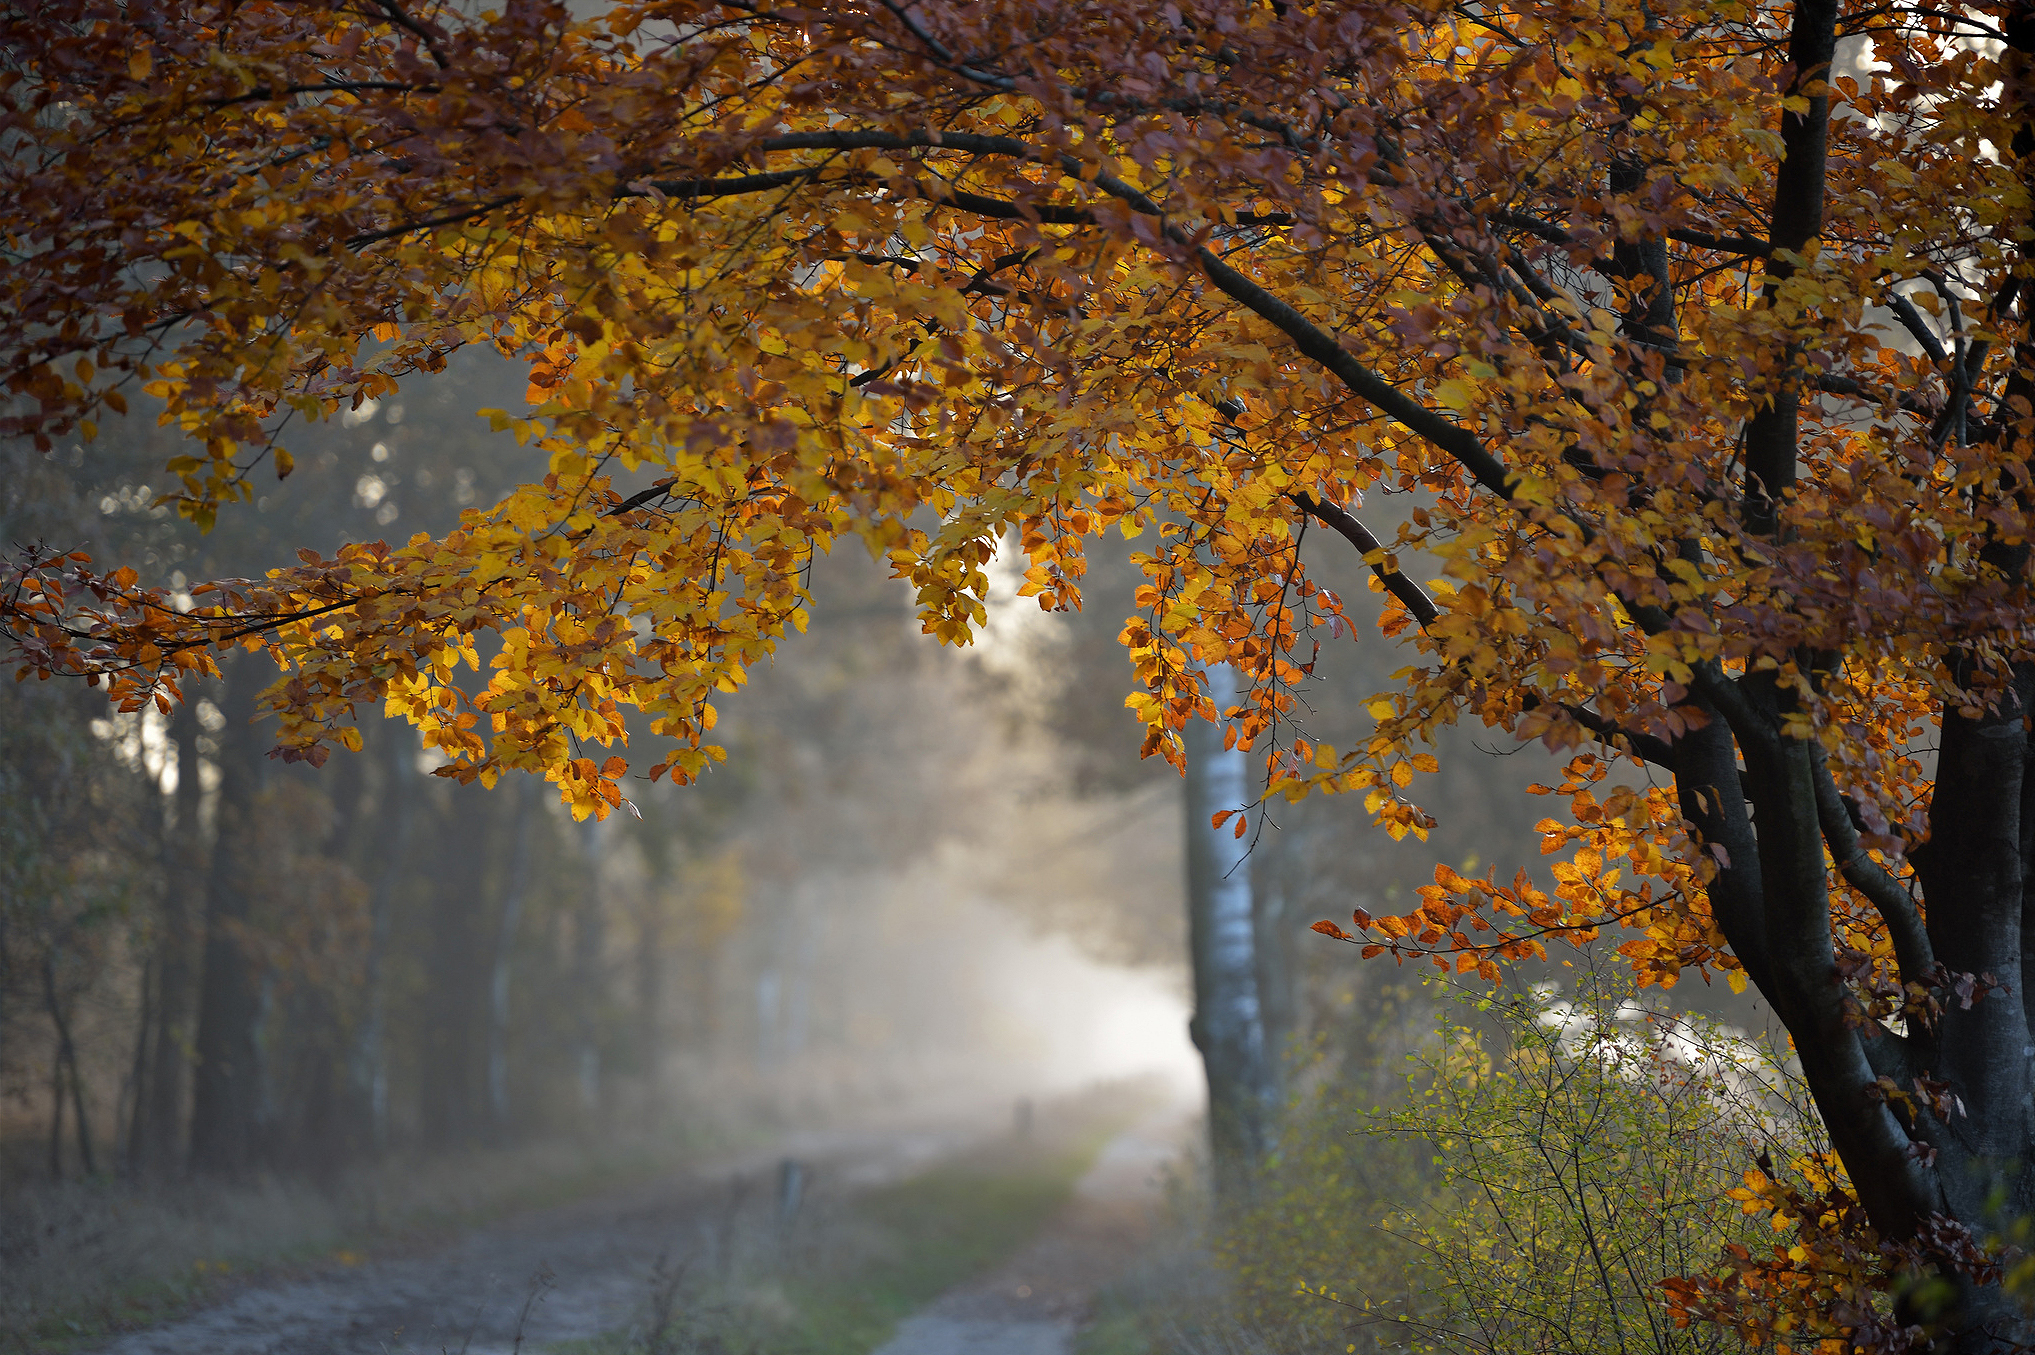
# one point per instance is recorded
(213, 962)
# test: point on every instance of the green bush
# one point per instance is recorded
(1551, 1161)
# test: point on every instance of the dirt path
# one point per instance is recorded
(558, 1275)
(1034, 1303)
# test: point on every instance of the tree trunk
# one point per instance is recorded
(514, 896)
(56, 1118)
(1942, 1161)
(224, 1100)
(458, 963)
(65, 1062)
(1228, 1025)
(369, 1069)
(135, 1099)
(183, 880)
(650, 997)
(589, 940)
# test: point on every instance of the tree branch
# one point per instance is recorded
(1398, 585)
(1317, 343)
(693, 189)
(1912, 950)
(1553, 234)
(1655, 750)
(1912, 321)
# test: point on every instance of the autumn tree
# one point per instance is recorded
(1705, 367)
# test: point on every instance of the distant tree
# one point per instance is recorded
(1708, 366)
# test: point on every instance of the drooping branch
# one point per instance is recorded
(1340, 521)
(1904, 921)
(1312, 341)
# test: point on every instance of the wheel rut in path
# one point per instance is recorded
(1034, 1303)
(555, 1275)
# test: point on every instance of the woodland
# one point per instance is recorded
(1657, 374)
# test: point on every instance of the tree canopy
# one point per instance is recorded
(1692, 335)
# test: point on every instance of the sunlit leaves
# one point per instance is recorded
(792, 277)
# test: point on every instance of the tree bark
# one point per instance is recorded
(224, 1101)
(183, 870)
(650, 996)
(1228, 1026)
(135, 1098)
(65, 1062)
(396, 814)
(458, 962)
(589, 941)
(1920, 1169)
(514, 896)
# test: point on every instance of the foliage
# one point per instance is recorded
(1698, 347)
(1107, 322)
(1551, 1164)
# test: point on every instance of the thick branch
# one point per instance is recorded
(732, 186)
(1912, 321)
(1398, 585)
(1904, 921)
(1555, 235)
(1319, 344)
(1713, 800)
(1655, 750)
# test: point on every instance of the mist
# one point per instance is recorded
(931, 903)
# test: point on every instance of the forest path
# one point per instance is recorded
(1035, 1302)
(552, 1276)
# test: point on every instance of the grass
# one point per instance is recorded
(841, 1284)
(80, 1261)
(925, 1237)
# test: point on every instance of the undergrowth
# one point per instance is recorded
(1549, 1160)
(840, 1278)
(80, 1261)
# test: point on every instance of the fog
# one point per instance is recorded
(930, 891)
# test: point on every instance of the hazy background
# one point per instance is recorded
(924, 877)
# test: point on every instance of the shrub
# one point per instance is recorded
(1551, 1162)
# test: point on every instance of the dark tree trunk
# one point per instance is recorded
(135, 1098)
(589, 940)
(56, 1119)
(1939, 1166)
(1228, 1026)
(65, 1069)
(225, 1088)
(650, 998)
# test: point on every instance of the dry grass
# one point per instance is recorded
(837, 1279)
(81, 1259)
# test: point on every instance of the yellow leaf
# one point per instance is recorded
(1454, 394)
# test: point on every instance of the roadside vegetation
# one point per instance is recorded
(98, 1257)
(838, 1276)
(1545, 1163)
